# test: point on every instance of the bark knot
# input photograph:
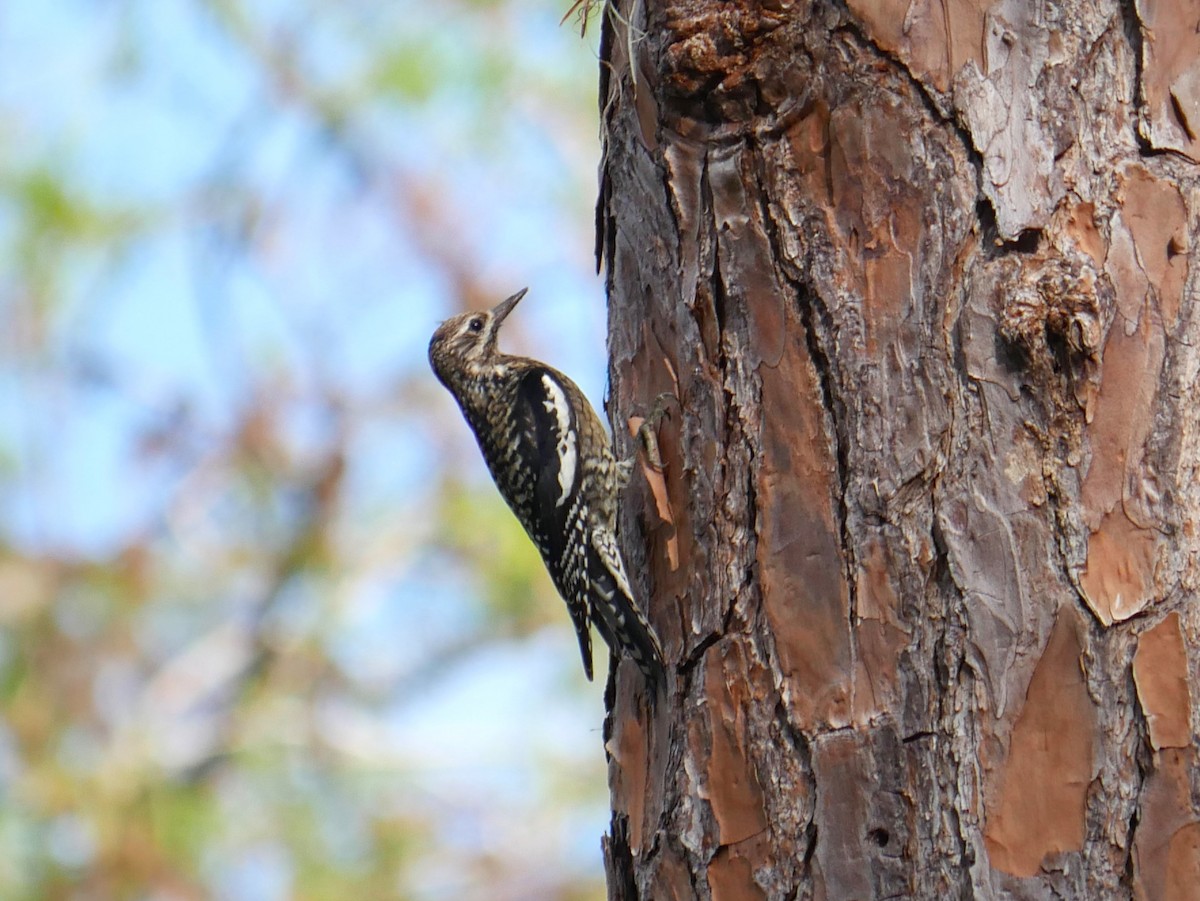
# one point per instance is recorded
(712, 59)
(1053, 315)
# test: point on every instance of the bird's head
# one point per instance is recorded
(467, 341)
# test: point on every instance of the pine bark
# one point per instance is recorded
(924, 553)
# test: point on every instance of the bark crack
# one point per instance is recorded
(619, 860)
(731, 419)
(952, 670)
(1133, 35)
(689, 663)
(1030, 239)
(803, 753)
(811, 310)
(814, 319)
(935, 109)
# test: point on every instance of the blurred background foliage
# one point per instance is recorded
(266, 629)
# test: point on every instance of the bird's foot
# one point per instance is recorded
(647, 435)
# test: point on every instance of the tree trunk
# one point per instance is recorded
(924, 554)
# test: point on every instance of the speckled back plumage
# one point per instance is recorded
(550, 456)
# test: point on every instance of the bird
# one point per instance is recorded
(552, 461)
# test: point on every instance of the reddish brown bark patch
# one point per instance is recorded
(672, 878)
(799, 549)
(1160, 670)
(1080, 226)
(669, 534)
(1148, 266)
(657, 483)
(877, 212)
(1036, 805)
(1132, 365)
(879, 634)
(1171, 74)
(731, 787)
(1183, 864)
(731, 877)
(934, 38)
(1153, 210)
(627, 774)
(748, 275)
(843, 771)
(1166, 846)
(1118, 580)
(808, 148)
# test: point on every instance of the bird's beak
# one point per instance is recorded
(502, 309)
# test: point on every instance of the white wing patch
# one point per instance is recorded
(568, 455)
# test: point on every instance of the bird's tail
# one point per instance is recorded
(625, 628)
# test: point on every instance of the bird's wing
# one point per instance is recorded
(547, 429)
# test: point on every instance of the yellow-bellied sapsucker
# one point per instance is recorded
(551, 459)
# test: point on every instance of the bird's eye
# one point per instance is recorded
(476, 324)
